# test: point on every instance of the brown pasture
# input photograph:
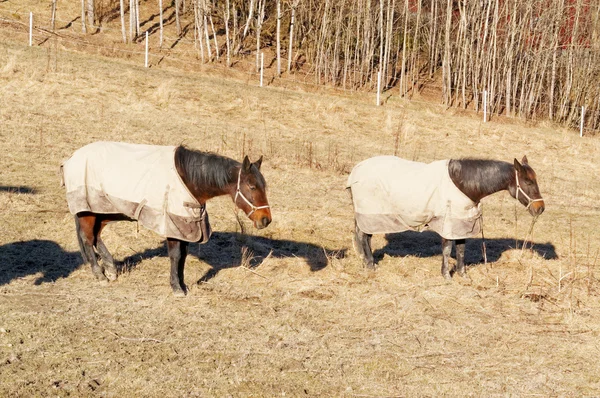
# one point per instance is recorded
(288, 310)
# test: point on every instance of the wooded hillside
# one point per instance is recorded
(534, 59)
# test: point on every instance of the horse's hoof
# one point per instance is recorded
(178, 293)
(447, 276)
(370, 265)
(111, 275)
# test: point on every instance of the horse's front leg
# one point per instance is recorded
(177, 253)
(446, 250)
(460, 257)
(362, 246)
(108, 263)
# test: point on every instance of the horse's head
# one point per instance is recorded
(525, 188)
(250, 195)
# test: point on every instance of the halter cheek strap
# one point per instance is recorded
(239, 193)
(519, 189)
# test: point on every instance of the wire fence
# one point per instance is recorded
(144, 46)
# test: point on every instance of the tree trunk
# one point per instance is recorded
(53, 18)
(259, 20)
(177, 17)
(278, 37)
(83, 28)
(290, 48)
(160, 21)
(90, 13)
(226, 21)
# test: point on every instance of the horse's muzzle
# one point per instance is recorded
(262, 218)
(264, 221)
(537, 208)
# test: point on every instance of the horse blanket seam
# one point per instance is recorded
(391, 195)
(139, 181)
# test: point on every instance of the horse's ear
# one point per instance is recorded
(518, 165)
(524, 160)
(246, 165)
(258, 162)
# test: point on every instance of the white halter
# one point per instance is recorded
(239, 193)
(519, 189)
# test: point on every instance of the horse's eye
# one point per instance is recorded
(252, 187)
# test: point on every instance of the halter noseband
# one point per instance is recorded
(519, 189)
(238, 192)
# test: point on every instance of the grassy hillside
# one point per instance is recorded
(288, 310)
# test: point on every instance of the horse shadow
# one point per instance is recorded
(231, 249)
(429, 244)
(21, 259)
(224, 250)
(17, 189)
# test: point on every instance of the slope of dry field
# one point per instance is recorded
(288, 310)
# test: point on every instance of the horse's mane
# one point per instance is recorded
(480, 175)
(205, 168)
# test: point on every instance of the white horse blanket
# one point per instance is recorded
(395, 195)
(139, 181)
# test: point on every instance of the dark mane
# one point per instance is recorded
(480, 175)
(205, 168)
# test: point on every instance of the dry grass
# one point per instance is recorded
(288, 310)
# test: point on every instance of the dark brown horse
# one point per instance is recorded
(173, 175)
(474, 178)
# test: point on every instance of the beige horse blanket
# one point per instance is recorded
(139, 181)
(395, 195)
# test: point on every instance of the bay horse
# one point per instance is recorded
(164, 188)
(390, 195)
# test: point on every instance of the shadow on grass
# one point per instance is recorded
(20, 259)
(429, 244)
(17, 189)
(224, 250)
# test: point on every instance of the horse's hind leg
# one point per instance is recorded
(177, 250)
(362, 246)
(85, 226)
(446, 250)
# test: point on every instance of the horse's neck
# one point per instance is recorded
(207, 177)
(480, 178)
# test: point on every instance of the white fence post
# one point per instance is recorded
(379, 88)
(30, 29)
(484, 106)
(146, 60)
(262, 67)
(582, 121)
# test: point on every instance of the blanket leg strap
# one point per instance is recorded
(136, 214)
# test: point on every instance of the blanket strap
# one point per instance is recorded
(138, 209)
(136, 214)
(201, 206)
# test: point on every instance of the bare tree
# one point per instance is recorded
(278, 37)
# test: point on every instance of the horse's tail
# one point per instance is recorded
(349, 191)
(84, 252)
(61, 171)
